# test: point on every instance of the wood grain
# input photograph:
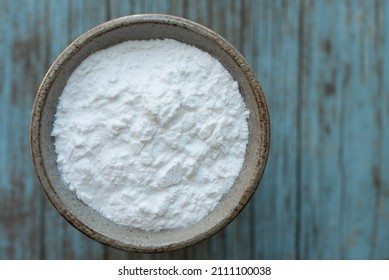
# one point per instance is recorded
(276, 58)
(323, 67)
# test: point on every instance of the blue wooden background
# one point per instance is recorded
(324, 66)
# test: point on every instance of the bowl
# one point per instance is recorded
(143, 27)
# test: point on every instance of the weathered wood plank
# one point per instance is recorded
(361, 132)
(276, 62)
(342, 148)
(22, 54)
(321, 105)
(381, 171)
(5, 93)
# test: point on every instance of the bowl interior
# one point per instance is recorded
(90, 221)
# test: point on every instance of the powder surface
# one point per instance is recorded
(151, 133)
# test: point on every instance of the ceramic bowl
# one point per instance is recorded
(143, 27)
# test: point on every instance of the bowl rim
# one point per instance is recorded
(68, 53)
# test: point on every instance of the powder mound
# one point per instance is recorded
(151, 133)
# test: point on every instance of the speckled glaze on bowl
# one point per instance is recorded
(143, 27)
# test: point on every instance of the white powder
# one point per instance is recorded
(151, 133)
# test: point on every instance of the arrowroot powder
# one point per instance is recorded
(151, 134)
